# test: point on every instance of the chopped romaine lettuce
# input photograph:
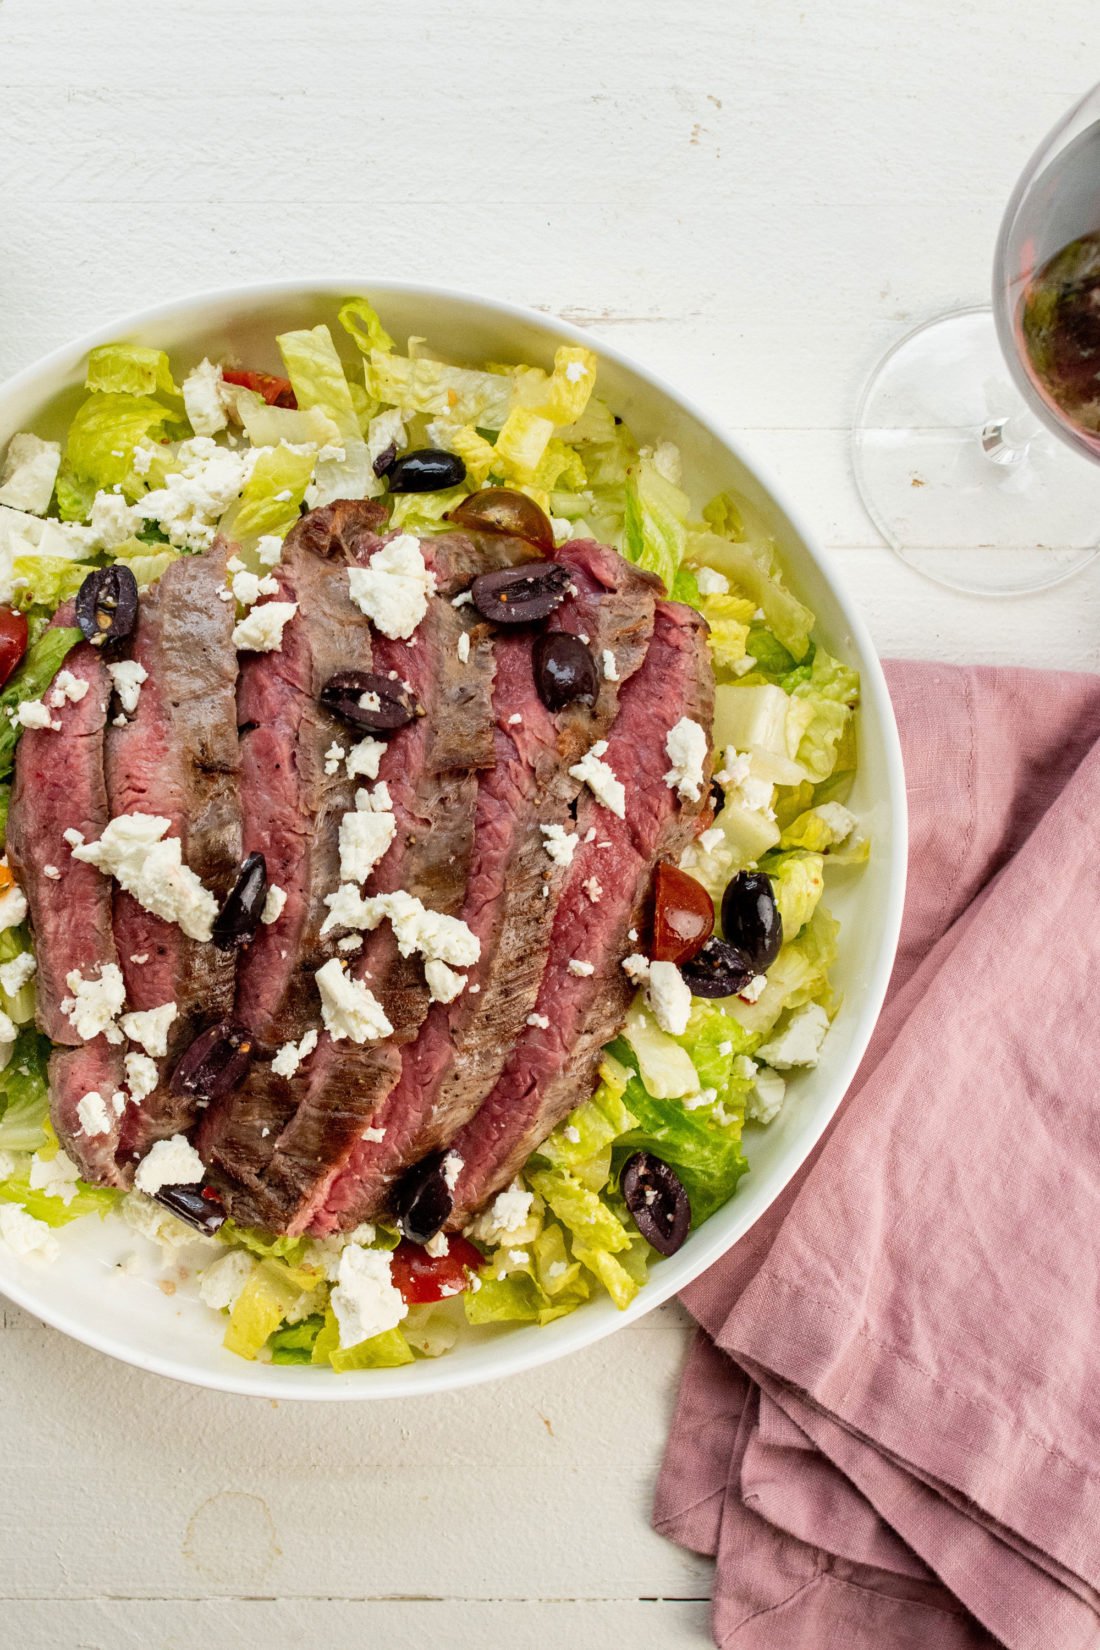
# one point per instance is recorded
(41, 663)
(655, 530)
(272, 496)
(745, 568)
(24, 1094)
(103, 434)
(359, 319)
(129, 369)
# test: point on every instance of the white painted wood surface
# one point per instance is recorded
(754, 197)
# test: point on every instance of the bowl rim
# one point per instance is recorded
(582, 1329)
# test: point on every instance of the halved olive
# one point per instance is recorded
(718, 969)
(751, 920)
(521, 595)
(369, 700)
(426, 470)
(199, 1206)
(657, 1200)
(564, 670)
(215, 1063)
(238, 919)
(422, 1199)
(107, 604)
(501, 510)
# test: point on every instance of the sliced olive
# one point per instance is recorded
(500, 510)
(717, 969)
(384, 461)
(521, 595)
(422, 1199)
(426, 470)
(107, 604)
(564, 670)
(657, 1200)
(751, 920)
(239, 917)
(368, 700)
(216, 1062)
(199, 1206)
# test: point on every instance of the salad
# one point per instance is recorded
(161, 459)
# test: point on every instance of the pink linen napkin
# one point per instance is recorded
(888, 1434)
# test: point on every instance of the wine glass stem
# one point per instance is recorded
(1006, 440)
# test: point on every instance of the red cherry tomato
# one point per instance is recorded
(420, 1277)
(683, 916)
(275, 391)
(13, 641)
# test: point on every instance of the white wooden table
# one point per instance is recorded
(754, 197)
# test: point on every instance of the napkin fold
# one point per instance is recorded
(888, 1432)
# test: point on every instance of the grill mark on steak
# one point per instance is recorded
(430, 767)
(458, 1056)
(177, 756)
(550, 1069)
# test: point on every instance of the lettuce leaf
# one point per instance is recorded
(482, 399)
(129, 369)
(46, 581)
(273, 1292)
(24, 1094)
(655, 525)
(294, 1343)
(800, 974)
(41, 663)
(262, 508)
(723, 515)
(360, 321)
(103, 434)
(317, 377)
(788, 619)
(798, 882)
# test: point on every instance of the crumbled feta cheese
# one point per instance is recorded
(711, 582)
(149, 1028)
(56, 1176)
(261, 629)
(560, 844)
(35, 713)
(393, 590)
(632, 935)
(52, 872)
(752, 992)
(274, 903)
(24, 1235)
(575, 371)
(93, 1114)
(350, 942)
(203, 399)
(374, 1136)
(799, 1044)
(15, 974)
(636, 968)
(363, 759)
(507, 1215)
(452, 1167)
(515, 720)
(766, 1096)
(572, 1134)
(438, 1246)
(348, 1008)
(583, 969)
(291, 1055)
(610, 668)
(463, 600)
(248, 587)
(593, 888)
(221, 1282)
(13, 902)
(95, 1003)
(269, 550)
(333, 757)
(464, 647)
(365, 834)
(196, 495)
(725, 1048)
(112, 521)
(67, 687)
(365, 1299)
(141, 1075)
(592, 771)
(73, 837)
(540, 1020)
(444, 985)
(173, 1162)
(128, 675)
(156, 1223)
(669, 996)
(29, 473)
(149, 865)
(686, 747)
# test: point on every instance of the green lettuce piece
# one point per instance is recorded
(772, 659)
(261, 508)
(713, 1042)
(723, 515)
(798, 882)
(294, 1343)
(317, 376)
(75, 495)
(129, 369)
(20, 1005)
(819, 746)
(728, 618)
(104, 432)
(591, 1127)
(41, 663)
(423, 512)
(827, 828)
(665, 1067)
(799, 975)
(264, 1244)
(685, 588)
(273, 1292)
(579, 1210)
(609, 1268)
(655, 525)
(785, 616)
(824, 677)
(514, 1299)
(24, 1093)
(47, 581)
(147, 559)
(88, 1200)
(359, 319)
(386, 1351)
(483, 399)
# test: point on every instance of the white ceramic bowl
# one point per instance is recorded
(83, 1293)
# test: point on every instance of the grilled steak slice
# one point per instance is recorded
(430, 767)
(74, 1072)
(513, 885)
(177, 756)
(552, 1066)
(59, 786)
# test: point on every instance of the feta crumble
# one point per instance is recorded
(261, 629)
(366, 834)
(24, 1235)
(35, 713)
(610, 668)
(194, 497)
(67, 688)
(173, 1162)
(274, 903)
(560, 844)
(393, 590)
(373, 1136)
(452, 1167)
(13, 902)
(333, 758)
(444, 984)
(141, 1075)
(363, 759)
(583, 969)
(128, 675)
(766, 1096)
(686, 748)
(95, 1003)
(93, 1114)
(669, 997)
(752, 992)
(799, 1044)
(594, 772)
(542, 1021)
(464, 647)
(203, 398)
(507, 1215)
(593, 888)
(149, 1028)
(711, 582)
(135, 850)
(15, 974)
(291, 1055)
(269, 550)
(348, 1008)
(29, 473)
(52, 872)
(365, 1299)
(221, 1282)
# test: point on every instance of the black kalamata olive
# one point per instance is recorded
(384, 461)
(717, 796)
(521, 595)
(107, 604)
(426, 470)
(717, 969)
(564, 670)
(239, 917)
(388, 702)
(657, 1200)
(199, 1206)
(215, 1063)
(751, 920)
(422, 1199)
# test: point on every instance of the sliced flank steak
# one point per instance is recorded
(584, 994)
(511, 895)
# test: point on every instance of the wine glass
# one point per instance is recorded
(973, 435)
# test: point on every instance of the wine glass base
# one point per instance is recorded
(980, 518)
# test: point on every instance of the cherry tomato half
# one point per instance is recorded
(683, 915)
(13, 641)
(275, 391)
(421, 1277)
